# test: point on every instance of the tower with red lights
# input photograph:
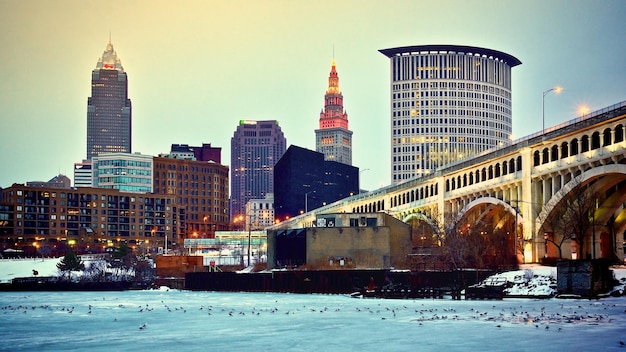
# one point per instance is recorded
(333, 138)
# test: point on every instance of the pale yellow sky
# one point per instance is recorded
(195, 68)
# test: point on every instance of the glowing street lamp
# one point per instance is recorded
(556, 90)
(583, 110)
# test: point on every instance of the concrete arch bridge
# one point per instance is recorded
(560, 193)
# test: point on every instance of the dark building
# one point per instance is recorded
(255, 148)
(304, 181)
(108, 109)
(203, 153)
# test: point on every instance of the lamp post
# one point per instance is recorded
(204, 233)
(249, 238)
(545, 245)
(556, 90)
(306, 201)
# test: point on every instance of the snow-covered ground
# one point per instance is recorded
(12, 268)
(533, 280)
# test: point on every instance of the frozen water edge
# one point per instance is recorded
(185, 320)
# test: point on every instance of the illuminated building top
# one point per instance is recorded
(333, 138)
(109, 60)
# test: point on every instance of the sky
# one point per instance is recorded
(195, 68)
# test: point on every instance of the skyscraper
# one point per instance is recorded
(109, 114)
(256, 147)
(448, 102)
(333, 138)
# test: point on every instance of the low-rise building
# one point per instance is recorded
(342, 240)
(90, 219)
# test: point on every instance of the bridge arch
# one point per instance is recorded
(581, 179)
(489, 200)
(609, 216)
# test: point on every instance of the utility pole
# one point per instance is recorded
(249, 237)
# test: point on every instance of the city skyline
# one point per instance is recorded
(199, 67)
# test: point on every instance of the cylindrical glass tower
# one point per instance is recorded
(448, 102)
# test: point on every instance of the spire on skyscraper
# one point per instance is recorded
(333, 138)
(109, 110)
(109, 59)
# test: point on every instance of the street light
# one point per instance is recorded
(556, 90)
(306, 201)
(249, 237)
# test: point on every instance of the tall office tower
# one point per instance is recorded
(448, 102)
(256, 147)
(333, 138)
(108, 109)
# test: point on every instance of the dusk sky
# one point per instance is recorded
(195, 68)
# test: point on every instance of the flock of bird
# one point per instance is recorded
(557, 317)
(514, 315)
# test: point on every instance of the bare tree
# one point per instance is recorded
(579, 213)
(558, 232)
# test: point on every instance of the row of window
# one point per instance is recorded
(575, 146)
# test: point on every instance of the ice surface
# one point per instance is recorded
(191, 321)
(164, 320)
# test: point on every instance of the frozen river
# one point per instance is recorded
(200, 321)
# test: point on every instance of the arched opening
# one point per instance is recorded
(574, 147)
(564, 150)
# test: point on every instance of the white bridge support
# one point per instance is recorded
(529, 178)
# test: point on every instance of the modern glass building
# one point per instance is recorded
(123, 171)
(255, 148)
(448, 102)
(333, 138)
(108, 109)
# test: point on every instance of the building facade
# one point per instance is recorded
(256, 146)
(448, 102)
(204, 153)
(260, 213)
(59, 181)
(333, 138)
(200, 188)
(342, 240)
(123, 171)
(82, 174)
(304, 181)
(109, 110)
(88, 219)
